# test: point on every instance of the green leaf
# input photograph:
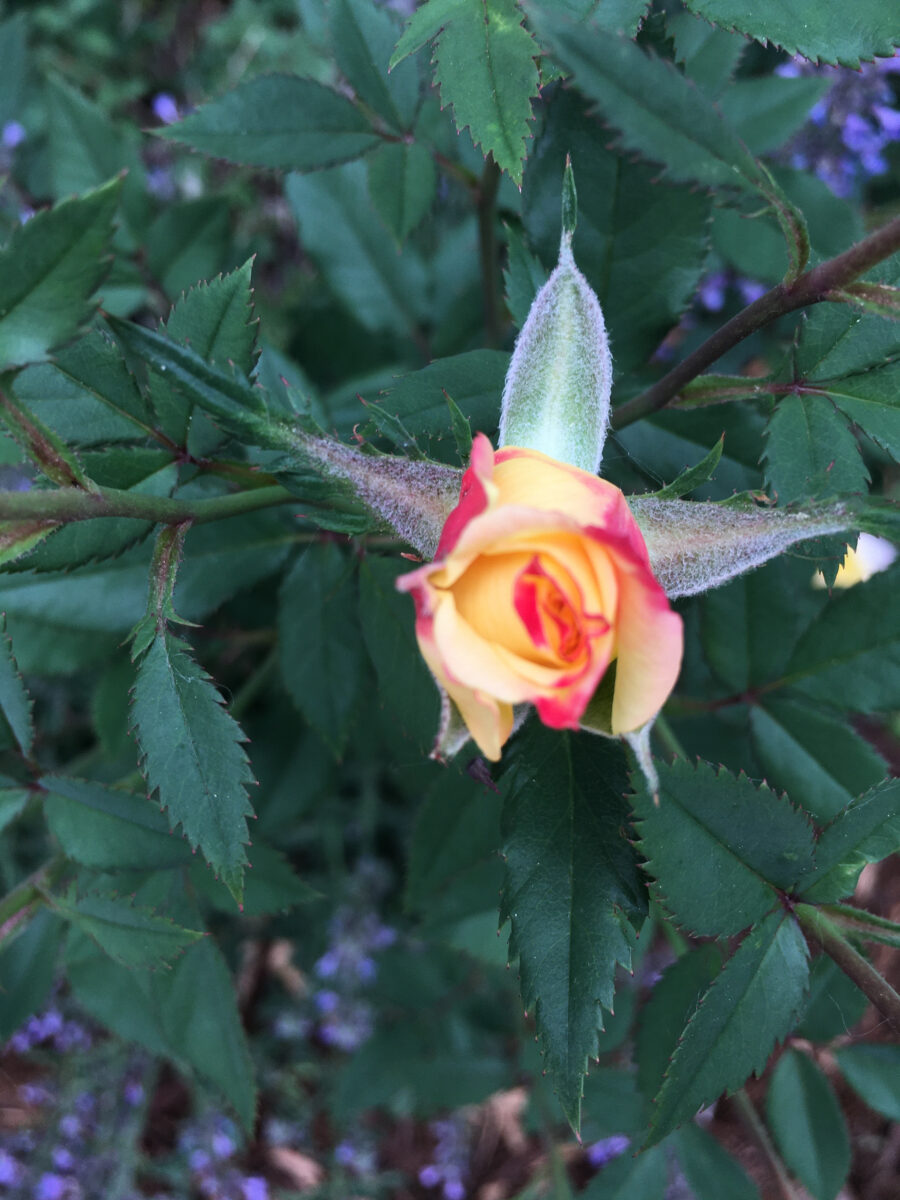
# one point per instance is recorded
(524, 276)
(12, 803)
(750, 841)
(321, 655)
(807, 1124)
(95, 364)
(457, 826)
(109, 829)
(14, 64)
(485, 68)
(835, 1003)
(644, 1177)
(129, 934)
(406, 689)
(836, 341)
(362, 37)
(419, 399)
(767, 110)
(710, 1171)
(214, 321)
(710, 55)
(192, 755)
(230, 399)
(643, 284)
(671, 1006)
(200, 1015)
(873, 1071)
(49, 270)
(769, 631)
(693, 477)
(383, 289)
(872, 401)
(849, 658)
(402, 182)
(222, 557)
(752, 1004)
(271, 885)
(15, 703)
(28, 968)
(424, 26)
(814, 756)
(48, 452)
(571, 893)
(818, 32)
(187, 241)
(399, 1069)
(188, 1014)
(87, 148)
(867, 830)
(278, 121)
(810, 451)
(666, 118)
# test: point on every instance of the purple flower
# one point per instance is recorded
(750, 289)
(63, 1159)
(255, 1188)
(70, 1126)
(609, 1148)
(51, 1187)
(133, 1093)
(429, 1176)
(10, 1169)
(712, 291)
(327, 1001)
(13, 134)
(328, 965)
(222, 1145)
(165, 108)
(888, 119)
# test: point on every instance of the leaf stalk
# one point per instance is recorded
(812, 287)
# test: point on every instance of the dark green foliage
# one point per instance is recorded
(807, 1124)
(49, 271)
(572, 891)
(816, 31)
(761, 988)
(872, 1071)
(248, 125)
(750, 840)
(195, 760)
(322, 658)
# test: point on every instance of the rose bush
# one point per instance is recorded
(542, 580)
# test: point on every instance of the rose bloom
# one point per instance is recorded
(540, 581)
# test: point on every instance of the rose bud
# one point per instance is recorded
(542, 580)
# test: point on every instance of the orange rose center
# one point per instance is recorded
(552, 620)
(529, 604)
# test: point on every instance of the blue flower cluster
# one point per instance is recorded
(64, 1144)
(342, 1017)
(210, 1145)
(848, 131)
(450, 1163)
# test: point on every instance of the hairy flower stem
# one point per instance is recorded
(812, 287)
(487, 242)
(75, 504)
(819, 930)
